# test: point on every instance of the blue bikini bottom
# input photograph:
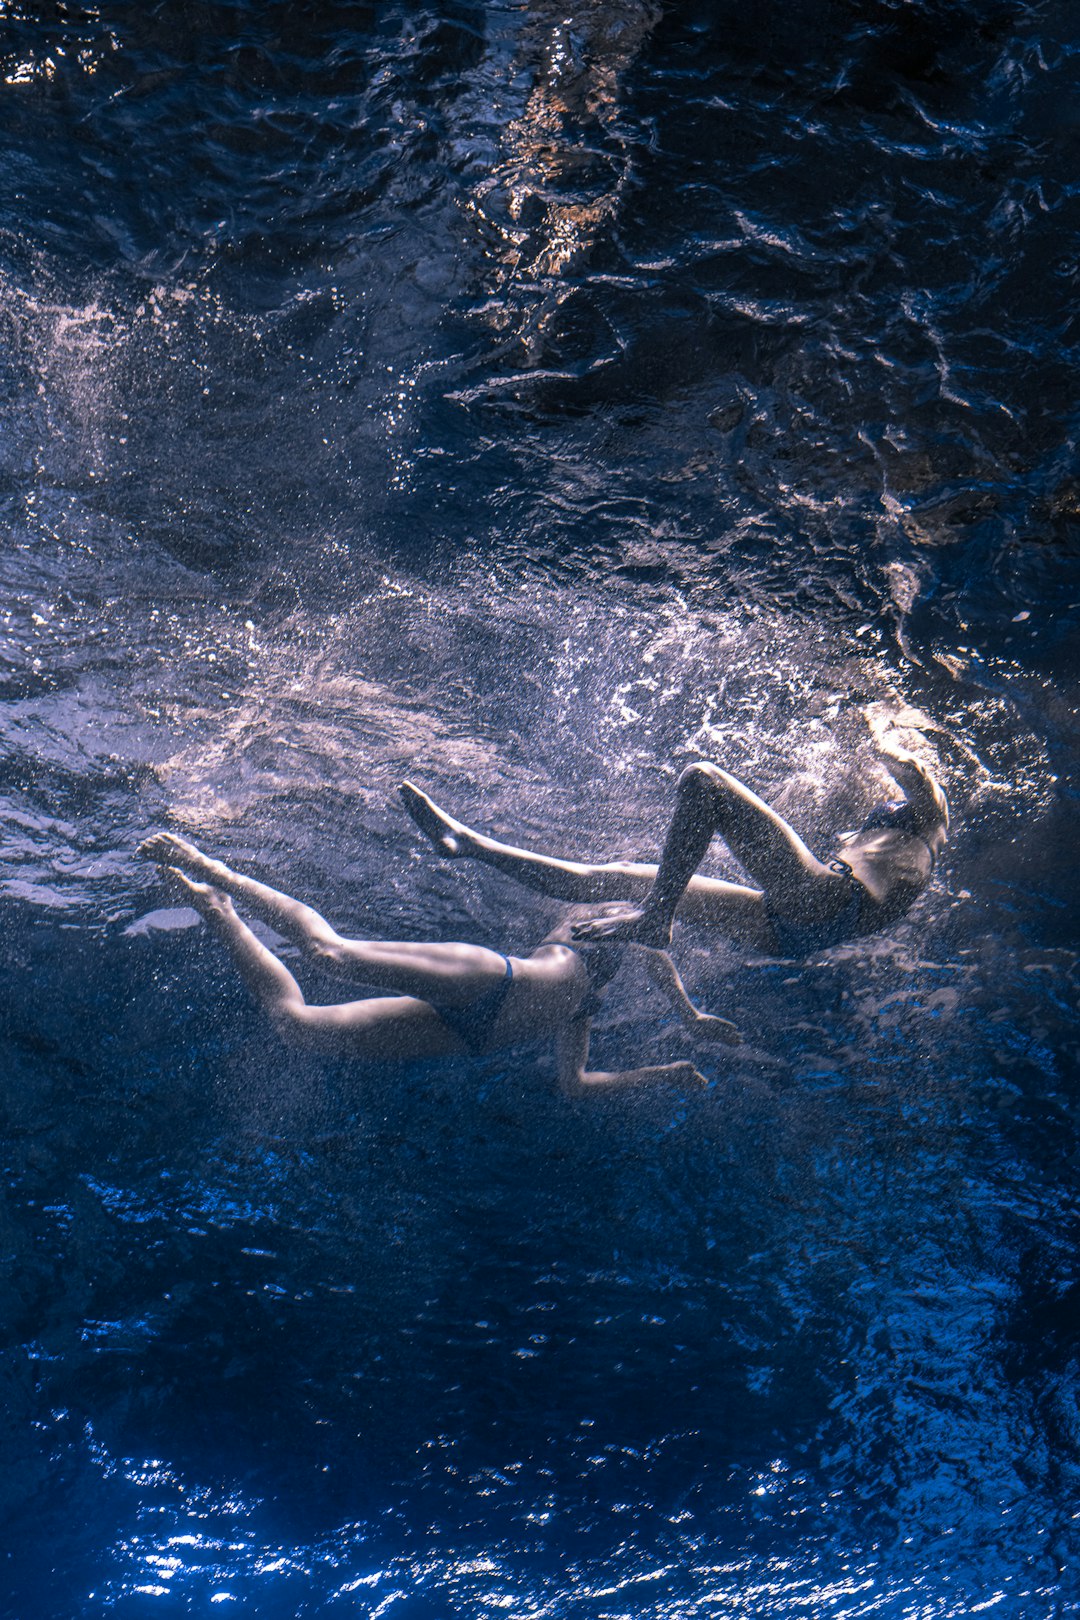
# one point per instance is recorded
(474, 1021)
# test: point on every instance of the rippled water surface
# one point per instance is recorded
(530, 399)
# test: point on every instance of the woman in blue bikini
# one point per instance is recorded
(799, 904)
(446, 999)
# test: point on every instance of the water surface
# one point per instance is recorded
(532, 406)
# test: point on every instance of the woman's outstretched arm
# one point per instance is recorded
(572, 1055)
(665, 976)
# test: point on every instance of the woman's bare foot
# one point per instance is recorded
(168, 849)
(209, 902)
(628, 927)
(451, 838)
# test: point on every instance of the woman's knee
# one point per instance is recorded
(703, 780)
(325, 946)
(293, 1025)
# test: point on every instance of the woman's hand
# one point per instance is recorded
(708, 1027)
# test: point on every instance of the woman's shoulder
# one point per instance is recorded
(887, 860)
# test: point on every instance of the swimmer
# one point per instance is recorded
(446, 999)
(798, 904)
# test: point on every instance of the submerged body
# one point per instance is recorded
(445, 1000)
(798, 904)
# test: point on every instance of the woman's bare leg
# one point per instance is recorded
(450, 973)
(732, 910)
(300, 924)
(579, 882)
(268, 979)
(393, 1028)
(711, 801)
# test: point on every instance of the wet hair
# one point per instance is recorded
(900, 814)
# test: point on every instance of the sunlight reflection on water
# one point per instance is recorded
(532, 405)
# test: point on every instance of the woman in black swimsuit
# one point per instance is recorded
(446, 999)
(799, 904)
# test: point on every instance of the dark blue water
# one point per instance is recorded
(530, 399)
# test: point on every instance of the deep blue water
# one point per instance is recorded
(530, 399)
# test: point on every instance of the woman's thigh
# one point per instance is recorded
(766, 845)
(729, 909)
(380, 1029)
(433, 971)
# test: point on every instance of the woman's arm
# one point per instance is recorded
(572, 1054)
(923, 792)
(665, 976)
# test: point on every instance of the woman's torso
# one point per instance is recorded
(892, 867)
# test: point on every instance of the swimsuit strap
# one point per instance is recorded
(845, 870)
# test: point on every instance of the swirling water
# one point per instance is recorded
(531, 399)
